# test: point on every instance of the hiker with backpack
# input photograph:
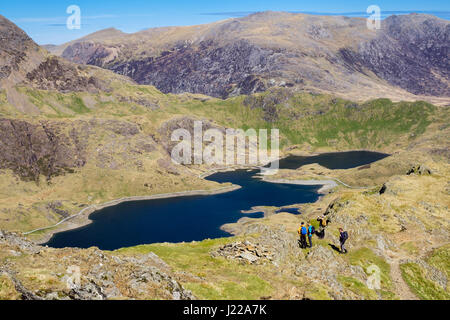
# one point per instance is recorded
(302, 231)
(343, 237)
(311, 231)
(323, 222)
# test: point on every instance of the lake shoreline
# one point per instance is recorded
(327, 184)
(81, 219)
(83, 215)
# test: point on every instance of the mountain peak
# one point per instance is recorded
(17, 51)
(12, 37)
(109, 32)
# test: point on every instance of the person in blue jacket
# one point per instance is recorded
(311, 231)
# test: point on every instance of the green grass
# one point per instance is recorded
(315, 224)
(223, 279)
(317, 120)
(317, 291)
(250, 287)
(415, 275)
(424, 288)
(70, 101)
(357, 287)
(365, 257)
(78, 106)
(7, 290)
(375, 123)
(410, 247)
(3, 99)
(440, 259)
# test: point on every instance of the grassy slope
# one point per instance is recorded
(379, 124)
(420, 281)
(341, 125)
(215, 278)
(375, 124)
(23, 204)
(319, 121)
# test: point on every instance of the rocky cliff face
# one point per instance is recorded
(89, 53)
(17, 51)
(52, 148)
(209, 68)
(241, 56)
(56, 74)
(23, 62)
(184, 123)
(34, 149)
(12, 49)
(409, 52)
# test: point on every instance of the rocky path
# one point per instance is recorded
(401, 288)
(395, 259)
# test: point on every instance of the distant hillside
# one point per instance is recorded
(408, 57)
(71, 127)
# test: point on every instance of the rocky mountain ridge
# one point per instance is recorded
(251, 54)
(93, 136)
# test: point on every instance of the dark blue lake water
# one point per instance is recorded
(190, 218)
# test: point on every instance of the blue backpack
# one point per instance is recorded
(304, 230)
(312, 230)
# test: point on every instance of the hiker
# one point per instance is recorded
(302, 231)
(311, 231)
(342, 239)
(323, 222)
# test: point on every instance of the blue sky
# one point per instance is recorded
(45, 21)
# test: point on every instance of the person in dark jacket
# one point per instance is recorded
(343, 237)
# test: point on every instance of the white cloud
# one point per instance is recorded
(58, 19)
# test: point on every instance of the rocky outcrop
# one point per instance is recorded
(245, 252)
(56, 74)
(167, 166)
(420, 170)
(31, 150)
(282, 245)
(269, 102)
(151, 105)
(208, 68)
(52, 148)
(15, 49)
(14, 240)
(411, 52)
(23, 61)
(90, 53)
(243, 56)
(77, 274)
(186, 123)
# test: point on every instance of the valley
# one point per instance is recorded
(75, 135)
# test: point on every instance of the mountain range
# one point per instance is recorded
(88, 124)
(408, 58)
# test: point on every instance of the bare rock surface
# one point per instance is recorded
(243, 56)
(85, 274)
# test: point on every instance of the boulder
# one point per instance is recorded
(419, 170)
(245, 252)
